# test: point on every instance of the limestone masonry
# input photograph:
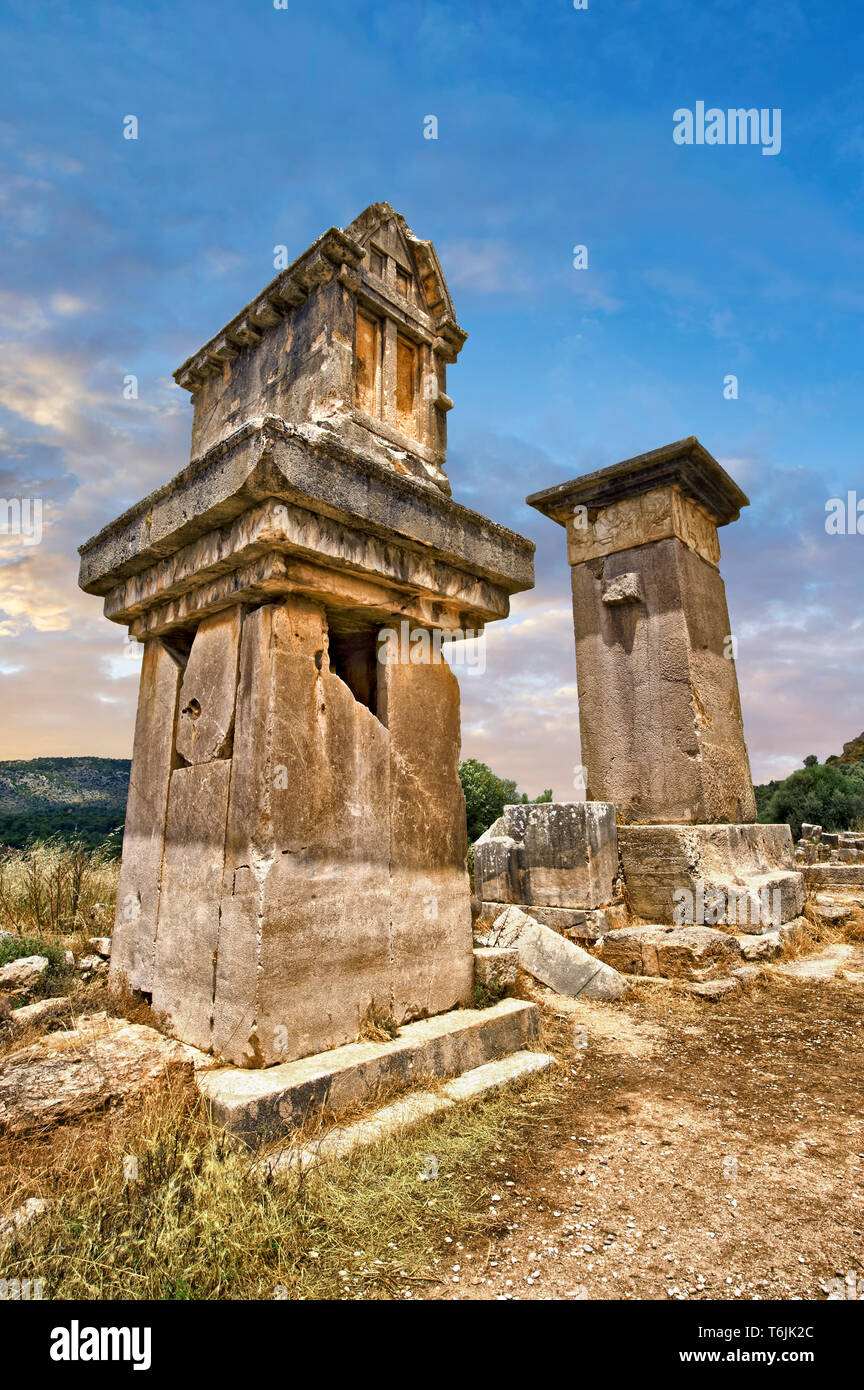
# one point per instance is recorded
(659, 712)
(294, 852)
(294, 860)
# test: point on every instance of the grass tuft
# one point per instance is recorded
(160, 1204)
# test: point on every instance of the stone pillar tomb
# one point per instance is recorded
(294, 852)
(659, 710)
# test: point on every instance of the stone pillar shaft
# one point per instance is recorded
(659, 711)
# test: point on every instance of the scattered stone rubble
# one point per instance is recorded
(552, 959)
(26, 973)
(818, 846)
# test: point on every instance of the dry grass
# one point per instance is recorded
(377, 1025)
(196, 1222)
(813, 934)
(55, 889)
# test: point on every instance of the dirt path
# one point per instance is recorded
(711, 1150)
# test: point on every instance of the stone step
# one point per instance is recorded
(261, 1105)
(411, 1110)
(833, 875)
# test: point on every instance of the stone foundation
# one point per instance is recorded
(740, 876)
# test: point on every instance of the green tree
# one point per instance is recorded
(486, 795)
(821, 794)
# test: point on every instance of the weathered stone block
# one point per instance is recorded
(44, 1011)
(205, 721)
(659, 713)
(834, 875)
(153, 757)
(727, 875)
(714, 989)
(554, 961)
(409, 1111)
(24, 973)
(100, 1062)
(644, 668)
(430, 907)
(188, 932)
(556, 854)
(681, 953)
(586, 924)
(265, 1103)
(495, 966)
(305, 941)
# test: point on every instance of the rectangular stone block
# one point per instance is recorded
(555, 961)
(577, 924)
(685, 953)
(556, 854)
(133, 941)
(657, 515)
(430, 901)
(263, 1104)
(205, 719)
(660, 717)
(188, 932)
(307, 890)
(834, 875)
(495, 966)
(409, 1111)
(662, 863)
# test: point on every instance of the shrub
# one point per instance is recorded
(821, 794)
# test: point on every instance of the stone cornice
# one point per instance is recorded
(320, 263)
(686, 464)
(310, 467)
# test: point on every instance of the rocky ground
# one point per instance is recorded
(700, 1146)
(701, 1150)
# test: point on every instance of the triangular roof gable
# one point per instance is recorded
(381, 225)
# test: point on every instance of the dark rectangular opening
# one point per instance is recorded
(354, 659)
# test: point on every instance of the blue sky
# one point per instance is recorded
(260, 127)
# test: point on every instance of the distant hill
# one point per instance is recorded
(853, 752)
(84, 798)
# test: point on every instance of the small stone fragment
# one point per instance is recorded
(25, 973)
